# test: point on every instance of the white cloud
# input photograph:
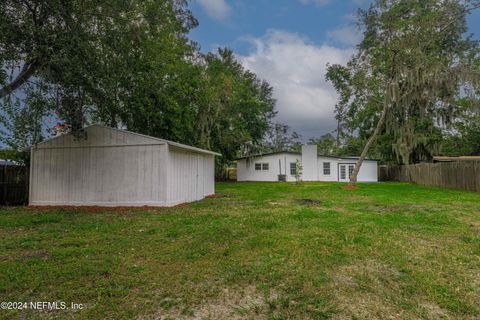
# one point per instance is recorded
(346, 35)
(217, 9)
(296, 68)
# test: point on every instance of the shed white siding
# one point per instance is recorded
(115, 168)
(190, 176)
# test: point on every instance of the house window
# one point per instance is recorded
(261, 166)
(326, 168)
(293, 168)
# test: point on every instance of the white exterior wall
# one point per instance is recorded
(368, 171)
(309, 163)
(333, 176)
(117, 168)
(191, 176)
(246, 170)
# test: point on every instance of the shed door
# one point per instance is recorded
(200, 177)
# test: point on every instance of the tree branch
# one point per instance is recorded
(27, 71)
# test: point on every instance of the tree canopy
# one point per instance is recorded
(238, 106)
(280, 137)
(127, 64)
(409, 71)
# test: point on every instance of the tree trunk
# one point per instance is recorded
(371, 140)
(337, 140)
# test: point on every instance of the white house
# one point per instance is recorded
(111, 167)
(267, 167)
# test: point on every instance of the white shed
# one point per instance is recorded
(112, 167)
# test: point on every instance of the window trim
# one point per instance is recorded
(262, 166)
(346, 164)
(294, 168)
(329, 168)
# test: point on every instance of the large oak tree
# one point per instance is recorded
(124, 63)
(410, 69)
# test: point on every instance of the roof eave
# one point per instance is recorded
(183, 146)
(299, 153)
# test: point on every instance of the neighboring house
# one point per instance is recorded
(267, 167)
(7, 163)
(112, 167)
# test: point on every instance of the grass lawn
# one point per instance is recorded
(257, 251)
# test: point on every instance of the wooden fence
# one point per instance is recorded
(13, 185)
(457, 175)
(226, 174)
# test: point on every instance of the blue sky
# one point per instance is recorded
(288, 43)
(252, 18)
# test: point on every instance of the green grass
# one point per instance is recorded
(257, 251)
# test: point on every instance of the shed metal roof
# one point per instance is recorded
(172, 143)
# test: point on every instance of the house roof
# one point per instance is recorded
(459, 158)
(299, 153)
(172, 143)
(356, 158)
(4, 162)
(269, 154)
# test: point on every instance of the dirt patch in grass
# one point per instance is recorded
(475, 276)
(361, 291)
(393, 208)
(14, 230)
(35, 254)
(235, 304)
(309, 202)
(434, 311)
(473, 223)
(344, 280)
